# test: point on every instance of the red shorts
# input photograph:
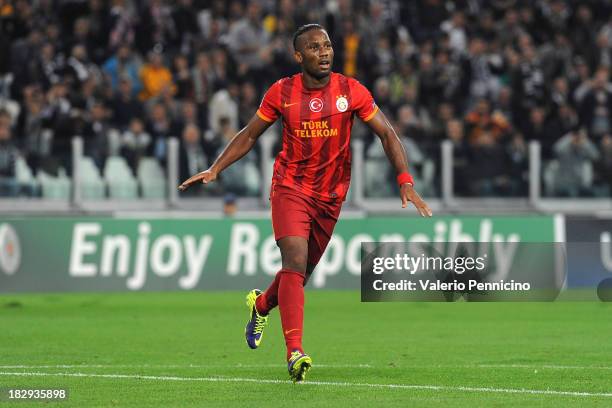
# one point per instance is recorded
(296, 214)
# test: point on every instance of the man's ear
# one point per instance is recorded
(298, 57)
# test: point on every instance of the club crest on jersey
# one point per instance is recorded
(316, 105)
(341, 103)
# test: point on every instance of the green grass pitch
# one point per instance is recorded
(188, 350)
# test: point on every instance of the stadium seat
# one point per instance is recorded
(119, 177)
(57, 188)
(113, 138)
(92, 185)
(151, 178)
(24, 176)
(242, 178)
(376, 183)
(425, 180)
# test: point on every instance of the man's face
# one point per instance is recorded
(314, 53)
(191, 135)
(601, 79)
(123, 53)
(125, 86)
(5, 133)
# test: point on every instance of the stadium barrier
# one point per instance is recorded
(116, 254)
(67, 195)
(126, 254)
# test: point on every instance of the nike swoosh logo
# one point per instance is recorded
(286, 105)
(289, 331)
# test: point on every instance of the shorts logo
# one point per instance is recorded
(341, 103)
(10, 249)
(316, 105)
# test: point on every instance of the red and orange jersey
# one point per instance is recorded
(316, 154)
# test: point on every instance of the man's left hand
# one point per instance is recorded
(407, 193)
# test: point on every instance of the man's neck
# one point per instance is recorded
(312, 82)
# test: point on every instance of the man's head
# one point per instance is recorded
(98, 111)
(313, 50)
(537, 116)
(191, 134)
(189, 112)
(600, 79)
(5, 118)
(5, 133)
(123, 52)
(454, 130)
(156, 58)
(125, 86)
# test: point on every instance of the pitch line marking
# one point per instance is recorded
(178, 366)
(320, 383)
(549, 366)
(526, 366)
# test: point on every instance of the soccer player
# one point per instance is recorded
(311, 177)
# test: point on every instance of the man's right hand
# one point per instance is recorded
(203, 177)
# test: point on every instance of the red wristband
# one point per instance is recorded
(404, 178)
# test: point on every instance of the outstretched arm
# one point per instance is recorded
(397, 156)
(240, 145)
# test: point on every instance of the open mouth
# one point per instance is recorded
(324, 64)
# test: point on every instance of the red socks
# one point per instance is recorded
(291, 305)
(269, 299)
(287, 292)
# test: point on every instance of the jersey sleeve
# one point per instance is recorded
(363, 102)
(269, 109)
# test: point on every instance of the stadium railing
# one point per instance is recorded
(93, 190)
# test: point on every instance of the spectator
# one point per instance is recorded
(82, 36)
(182, 75)
(49, 66)
(455, 134)
(160, 128)
(35, 144)
(348, 48)
(605, 164)
(518, 164)
(125, 105)
(402, 79)
(192, 158)
(79, 65)
(135, 142)
(185, 21)
(596, 107)
(487, 168)
(481, 120)
(455, 29)
(538, 129)
(155, 76)
(57, 116)
(527, 81)
(224, 104)
(576, 155)
(479, 73)
(541, 67)
(248, 103)
(430, 92)
(96, 134)
(154, 25)
(203, 78)
(121, 24)
(250, 43)
(188, 116)
(123, 65)
(8, 158)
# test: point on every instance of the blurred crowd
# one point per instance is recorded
(490, 76)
